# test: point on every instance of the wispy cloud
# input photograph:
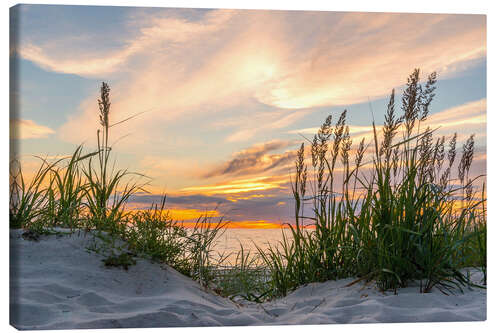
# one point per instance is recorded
(363, 55)
(83, 60)
(460, 116)
(353, 130)
(28, 129)
(300, 60)
(249, 126)
(89, 66)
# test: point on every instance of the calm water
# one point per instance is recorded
(229, 242)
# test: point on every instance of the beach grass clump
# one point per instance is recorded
(201, 239)
(398, 218)
(66, 192)
(480, 247)
(123, 260)
(153, 233)
(247, 278)
(53, 197)
(86, 191)
(27, 198)
(83, 190)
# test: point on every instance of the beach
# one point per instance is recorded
(58, 283)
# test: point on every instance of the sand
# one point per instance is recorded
(56, 283)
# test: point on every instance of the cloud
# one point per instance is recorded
(28, 129)
(179, 172)
(91, 66)
(177, 199)
(254, 160)
(466, 114)
(463, 118)
(182, 79)
(243, 209)
(180, 67)
(353, 130)
(83, 59)
(250, 126)
(233, 187)
(361, 55)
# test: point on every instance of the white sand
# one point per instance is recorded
(57, 283)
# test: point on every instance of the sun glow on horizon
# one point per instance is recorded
(239, 186)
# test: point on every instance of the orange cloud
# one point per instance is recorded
(190, 214)
(239, 186)
(353, 130)
(228, 59)
(176, 214)
(187, 218)
(260, 224)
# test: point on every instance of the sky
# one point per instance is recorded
(226, 97)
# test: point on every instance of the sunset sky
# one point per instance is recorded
(226, 95)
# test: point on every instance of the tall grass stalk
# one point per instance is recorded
(108, 190)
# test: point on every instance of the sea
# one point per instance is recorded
(228, 244)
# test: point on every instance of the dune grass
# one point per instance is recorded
(397, 218)
(409, 213)
(84, 191)
(246, 278)
(27, 199)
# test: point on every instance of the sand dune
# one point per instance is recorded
(56, 283)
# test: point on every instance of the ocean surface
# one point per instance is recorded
(229, 242)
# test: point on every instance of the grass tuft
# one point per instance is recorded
(402, 219)
(123, 260)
